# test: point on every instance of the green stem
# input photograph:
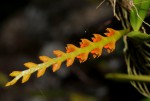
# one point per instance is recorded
(126, 77)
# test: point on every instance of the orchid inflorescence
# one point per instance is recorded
(81, 53)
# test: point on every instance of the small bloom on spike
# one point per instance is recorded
(11, 83)
(97, 38)
(56, 66)
(70, 48)
(110, 32)
(58, 53)
(8, 84)
(44, 58)
(85, 42)
(69, 62)
(41, 72)
(30, 64)
(26, 78)
(15, 73)
(96, 52)
(110, 47)
(82, 57)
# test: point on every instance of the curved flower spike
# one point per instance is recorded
(86, 46)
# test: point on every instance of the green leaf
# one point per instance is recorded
(138, 13)
(139, 36)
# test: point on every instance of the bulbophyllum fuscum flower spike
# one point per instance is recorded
(87, 47)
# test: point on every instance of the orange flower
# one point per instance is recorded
(110, 32)
(96, 52)
(56, 66)
(97, 38)
(45, 58)
(41, 72)
(110, 47)
(30, 64)
(11, 83)
(69, 62)
(82, 57)
(15, 73)
(84, 43)
(26, 78)
(70, 48)
(58, 53)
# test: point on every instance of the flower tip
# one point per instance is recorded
(96, 52)
(56, 66)
(30, 64)
(7, 84)
(110, 32)
(15, 73)
(110, 47)
(25, 78)
(70, 48)
(97, 37)
(82, 57)
(69, 62)
(41, 72)
(85, 42)
(58, 53)
(44, 58)
(11, 83)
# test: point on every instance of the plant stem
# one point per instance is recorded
(126, 77)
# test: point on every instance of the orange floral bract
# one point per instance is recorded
(110, 47)
(85, 42)
(96, 52)
(110, 32)
(70, 48)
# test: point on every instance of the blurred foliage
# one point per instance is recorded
(81, 97)
(3, 79)
(146, 99)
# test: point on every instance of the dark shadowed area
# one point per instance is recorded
(30, 28)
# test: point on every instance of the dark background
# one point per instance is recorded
(30, 28)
